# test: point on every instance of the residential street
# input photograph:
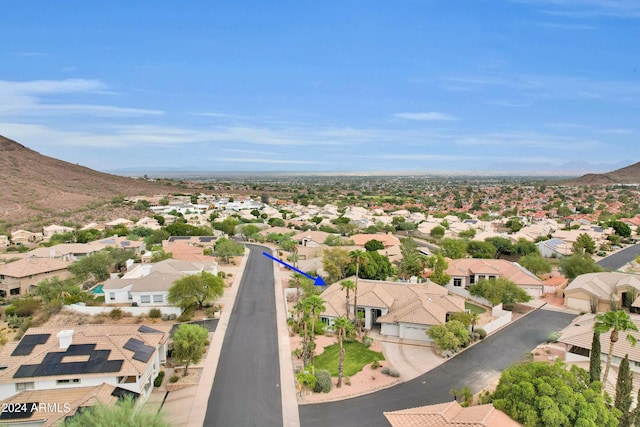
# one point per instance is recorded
(476, 367)
(620, 258)
(246, 389)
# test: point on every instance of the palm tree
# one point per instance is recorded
(358, 257)
(344, 329)
(347, 285)
(474, 317)
(314, 305)
(614, 321)
(302, 318)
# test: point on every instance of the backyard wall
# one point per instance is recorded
(134, 311)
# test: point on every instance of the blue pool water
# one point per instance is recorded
(97, 290)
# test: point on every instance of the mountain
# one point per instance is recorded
(37, 189)
(626, 175)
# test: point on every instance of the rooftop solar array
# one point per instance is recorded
(141, 351)
(28, 342)
(148, 330)
(206, 239)
(15, 411)
(53, 365)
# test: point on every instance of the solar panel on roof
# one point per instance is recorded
(53, 365)
(28, 342)
(125, 243)
(206, 239)
(15, 411)
(141, 351)
(148, 330)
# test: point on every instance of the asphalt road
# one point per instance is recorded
(246, 388)
(620, 258)
(476, 368)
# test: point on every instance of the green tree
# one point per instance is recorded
(196, 290)
(313, 305)
(227, 226)
(454, 248)
(595, 364)
(189, 342)
(344, 330)
(226, 248)
(157, 237)
(524, 247)
(438, 266)
(514, 225)
(250, 231)
(412, 262)
(535, 263)
(575, 265)
(449, 336)
(479, 249)
(347, 285)
(375, 267)
(499, 290)
(54, 289)
(123, 414)
(549, 394)
(437, 232)
(94, 266)
(622, 229)
(624, 387)
(503, 245)
(616, 322)
(86, 236)
(373, 245)
(335, 263)
(357, 256)
(584, 244)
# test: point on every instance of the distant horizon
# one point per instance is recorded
(507, 87)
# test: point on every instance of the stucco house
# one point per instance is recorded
(52, 229)
(598, 290)
(468, 271)
(387, 240)
(22, 276)
(399, 310)
(554, 248)
(148, 285)
(24, 237)
(125, 356)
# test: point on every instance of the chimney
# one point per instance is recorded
(65, 336)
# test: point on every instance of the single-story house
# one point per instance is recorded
(52, 229)
(400, 310)
(450, 414)
(598, 290)
(468, 271)
(22, 276)
(387, 240)
(24, 237)
(125, 356)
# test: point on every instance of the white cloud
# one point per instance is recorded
(430, 116)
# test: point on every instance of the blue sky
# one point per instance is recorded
(515, 86)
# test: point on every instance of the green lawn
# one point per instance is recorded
(356, 356)
(474, 308)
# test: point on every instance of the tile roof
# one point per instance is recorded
(603, 284)
(29, 266)
(450, 414)
(95, 351)
(499, 267)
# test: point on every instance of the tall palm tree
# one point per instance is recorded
(314, 306)
(358, 257)
(474, 317)
(344, 329)
(347, 285)
(302, 318)
(614, 321)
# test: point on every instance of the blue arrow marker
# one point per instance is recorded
(317, 281)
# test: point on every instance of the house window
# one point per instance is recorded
(158, 298)
(145, 299)
(71, 381)
(457, 282)
(129, 296)
(25, 386)
(112, 296)
(492, 277)
(472, 279)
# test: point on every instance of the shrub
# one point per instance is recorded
(392, 372)
(116, 314)
(367, 341)
(474, 336)
(222, 274)
(375, 364)
(155, 313)
(174, 378)
(385, 370)
(14, 322)
(481, 332)
(185, 316)
(347, 380)
(158, 381)
(323, 383)
(554, 336)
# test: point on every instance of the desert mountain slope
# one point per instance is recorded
(35, 189)
(626, 175)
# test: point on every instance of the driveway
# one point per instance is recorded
(620, 259)
(476, 367)
(246, 389)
